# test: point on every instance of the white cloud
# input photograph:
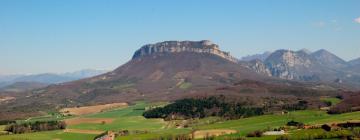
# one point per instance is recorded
(357, 20)
(319, 24)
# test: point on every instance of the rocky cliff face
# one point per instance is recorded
(204, 46)
(290, 65)
(259, 67)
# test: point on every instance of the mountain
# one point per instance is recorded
(305, 51)
(6, 80)
(328, 59)
(354, 66)
(84, 73)
(48, 78)
(163, 71)
(22, 86)
(320, 66)
(261, 57)
(45, 78)
(292, 65)
(171, 70)
(355, 62)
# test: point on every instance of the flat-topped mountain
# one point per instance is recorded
(204, 46)
(162, 71)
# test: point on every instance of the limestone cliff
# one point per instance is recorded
(204, 46)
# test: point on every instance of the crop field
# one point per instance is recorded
(309, 117)
(333, 101)
(130, 118)
(2, 127)
(51, 135)
(92, 109)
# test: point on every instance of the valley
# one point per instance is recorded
(131, 119)
(179, 70)
(192, 90)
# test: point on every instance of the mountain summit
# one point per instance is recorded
(204, 46)
(328, 59)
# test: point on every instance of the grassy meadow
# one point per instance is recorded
(130, 118)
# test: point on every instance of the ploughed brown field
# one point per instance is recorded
(6, 98)
(207, 133)
(92, 109)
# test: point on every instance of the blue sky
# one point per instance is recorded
(38, 36)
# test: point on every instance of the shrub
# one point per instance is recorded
(294, 123)
(283, 137)
(256, 133)
(326, 127)
(35, 127)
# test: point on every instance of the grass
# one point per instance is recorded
(49, 117)
(123, 86)
(309, 117)
(332, 100)
(49, 135)
(130, 118)
(185, 85)
(125, 123)
(2, 127)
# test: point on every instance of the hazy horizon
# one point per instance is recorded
(62, 36)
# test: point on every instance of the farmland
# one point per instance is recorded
(92, 109)
(130, 118)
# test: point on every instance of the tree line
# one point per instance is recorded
(35, 127)
(204, 107)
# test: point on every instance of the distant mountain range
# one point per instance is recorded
(9, 82)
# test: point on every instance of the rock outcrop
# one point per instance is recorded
(259, 67)
(204, 46)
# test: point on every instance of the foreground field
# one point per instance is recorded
(86, 127)
(92, 109)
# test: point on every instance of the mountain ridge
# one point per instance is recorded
(170, 74)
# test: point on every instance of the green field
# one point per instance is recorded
(51, 135)
(185, 85)
(2, 127)
(332, 100)
(130, 118)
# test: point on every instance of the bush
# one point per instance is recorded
(294, 123)
(326, 127)
(35, 127)
(283, 137)
(256, 133)
(6, 122)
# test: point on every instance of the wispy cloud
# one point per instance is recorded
(357, 20)
(320, 24)
(329, 24)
